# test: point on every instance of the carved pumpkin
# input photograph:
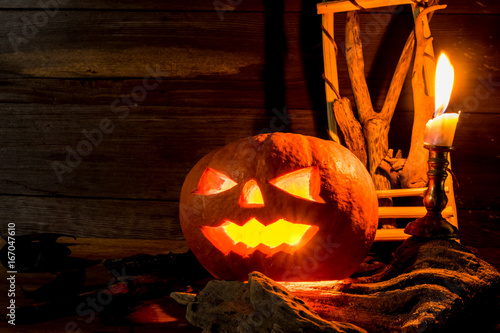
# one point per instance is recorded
(290, 206)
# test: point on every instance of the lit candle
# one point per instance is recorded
(440, 131)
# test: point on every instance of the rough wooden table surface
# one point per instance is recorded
(94, 249)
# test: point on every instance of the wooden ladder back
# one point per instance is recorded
(340, 115)
(414, 212)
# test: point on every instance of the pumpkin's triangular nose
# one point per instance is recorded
(251, 196)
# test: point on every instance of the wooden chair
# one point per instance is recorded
(449, 213)
(327, 10)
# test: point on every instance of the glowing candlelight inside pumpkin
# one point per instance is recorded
(440, 131)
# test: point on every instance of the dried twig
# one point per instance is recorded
(351, 128)
(393, 165)
(414, 171)
(375, 125)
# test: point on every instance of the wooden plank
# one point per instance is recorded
(474, 162)
(390, 235)
(121, 44)
(339, 6)
(189, 48)
(121, 247)
(405, 192)
(220, 91)
(454, 7)
(331, 76)
(465, 6)
(408, 212)
(136, 38)
(223, 91)
(172, 92)
(92, 217)
(143, 219)
(215, 91)
(136, 160)
(157, 220)
(224, 8)
(480, 228)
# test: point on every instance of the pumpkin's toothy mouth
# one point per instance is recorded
(252, 236)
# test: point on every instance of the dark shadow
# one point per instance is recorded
(311, 52)
(388, 53)
(379, 78)
(274, 59)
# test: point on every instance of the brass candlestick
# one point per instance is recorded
(433, 225)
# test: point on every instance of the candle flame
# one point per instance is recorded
(444, 84)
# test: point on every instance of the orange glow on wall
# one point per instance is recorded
(303, 183)
(253, 235)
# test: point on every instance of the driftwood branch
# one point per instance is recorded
(414, 171)
(356, 67)
(375, 125)
(398, 79)
(417, 161)
(331, 73)
(351, 128)
(392, 165)
(429, 69)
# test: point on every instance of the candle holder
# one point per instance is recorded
(433, 225)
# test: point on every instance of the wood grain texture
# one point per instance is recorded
(375, 125)
(145, 219)
(226, 7)
(91, 249)
(473, 161)
(197, 47)
(138, 160)
(93, 217)
(66, 77)
(146, 155)
(351, 129)
(414, 172)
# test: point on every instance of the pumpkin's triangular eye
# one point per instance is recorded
(213, 182)
(303, 183)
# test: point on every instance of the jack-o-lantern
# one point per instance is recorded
(290, 206)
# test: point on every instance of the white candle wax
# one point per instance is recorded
(440, 131)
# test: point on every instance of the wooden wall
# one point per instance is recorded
(165, 82)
